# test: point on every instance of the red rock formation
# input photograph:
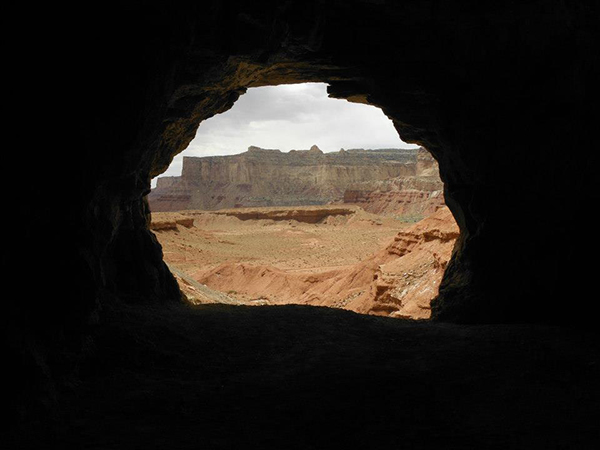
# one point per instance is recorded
(305, 214)
(415, 196)
(411, 268)
(170, 222)
(398, 281)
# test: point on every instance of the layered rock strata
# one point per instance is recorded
(270, 177)
(413, 196)
(304, 214)
(171, 222)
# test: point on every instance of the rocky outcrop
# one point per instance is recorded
(400, 280)
(411, 268)
(412, 197)
(304, 214)
(269, 177)
(171, 222)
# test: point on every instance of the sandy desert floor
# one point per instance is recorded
(281, 247)
(286, 244)
(335, 256)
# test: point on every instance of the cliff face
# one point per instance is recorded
(417, 195)
(262, 177)
(410, 269)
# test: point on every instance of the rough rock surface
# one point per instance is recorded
(500, 92)
(171, 222)
(303, 214)
(296, 378)
(411, 268)
(265, 177)
(199, 294)
(412, 196)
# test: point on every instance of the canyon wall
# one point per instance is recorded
(413, 196)
(264, 177)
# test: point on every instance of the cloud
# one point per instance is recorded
(291, 117)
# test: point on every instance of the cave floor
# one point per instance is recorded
(300, 377)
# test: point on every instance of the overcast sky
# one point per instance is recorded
(288, 117)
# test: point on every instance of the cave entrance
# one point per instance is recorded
(327, 206)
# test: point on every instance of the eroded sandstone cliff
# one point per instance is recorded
(265, 177)
(412, 196)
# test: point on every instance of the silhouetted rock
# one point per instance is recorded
(504, 95)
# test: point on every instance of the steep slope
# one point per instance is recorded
(412, 196)
(410, 269)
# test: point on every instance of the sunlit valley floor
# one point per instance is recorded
(368, 230)
(334, 255)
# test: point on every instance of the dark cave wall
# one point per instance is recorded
(503, 94)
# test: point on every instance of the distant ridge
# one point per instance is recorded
(270, 177)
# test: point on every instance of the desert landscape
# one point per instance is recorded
(347, 259)
(374, 239)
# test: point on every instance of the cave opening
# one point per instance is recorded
(503, 94)
(356, 222)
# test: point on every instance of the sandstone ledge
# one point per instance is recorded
(303, 214)
(170, 221)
